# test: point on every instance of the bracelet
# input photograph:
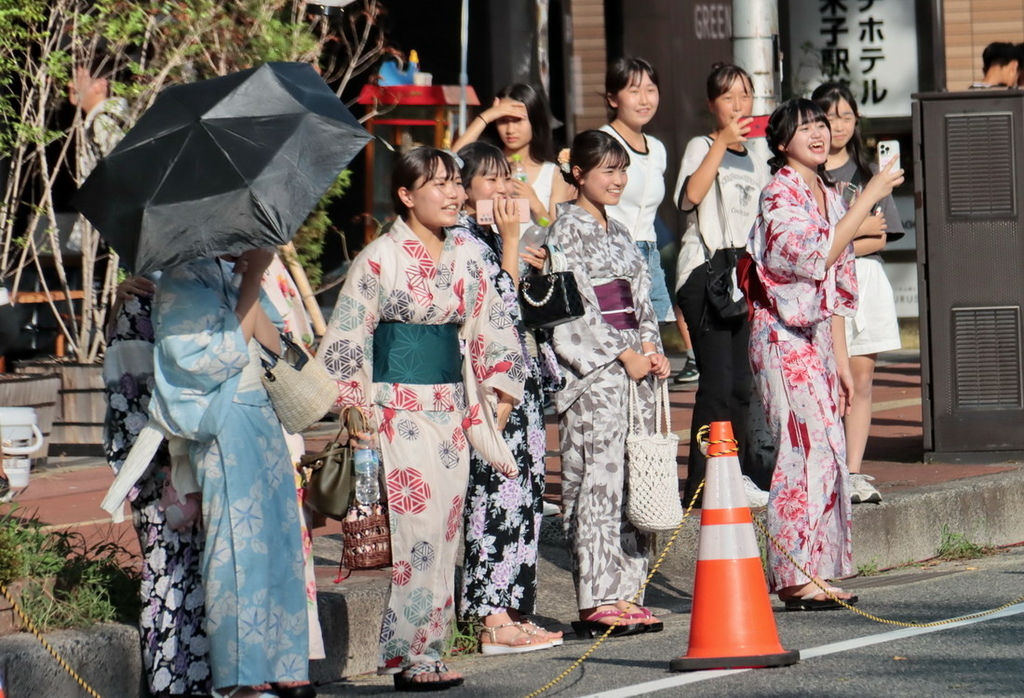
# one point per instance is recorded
(481, 117)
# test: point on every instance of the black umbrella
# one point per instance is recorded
(222, 165)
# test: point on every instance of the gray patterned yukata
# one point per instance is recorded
(609, 554)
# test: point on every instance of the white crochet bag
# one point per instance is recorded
(652, 500)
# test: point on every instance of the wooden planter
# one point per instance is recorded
(39, 391)
(80, 409)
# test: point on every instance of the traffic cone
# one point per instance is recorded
(731, 624)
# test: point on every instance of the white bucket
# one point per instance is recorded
(17, 470)
(19, 435)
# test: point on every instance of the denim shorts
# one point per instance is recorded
(660, 298)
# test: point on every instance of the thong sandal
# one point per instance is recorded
(643, 613)
(406, 680)
(495, 647)
(555, 641)
(808, 602)
(592, 626)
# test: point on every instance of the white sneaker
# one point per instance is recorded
(755, 495)
(862, 491)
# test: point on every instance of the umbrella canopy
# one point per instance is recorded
(220, 166)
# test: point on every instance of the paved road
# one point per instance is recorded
(843, 654)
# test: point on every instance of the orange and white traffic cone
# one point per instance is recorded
(731, 625)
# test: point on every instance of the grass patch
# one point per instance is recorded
(956, 546)
(868, 569)
(463, 638)
(68, 583)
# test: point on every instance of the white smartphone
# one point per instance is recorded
(485, 211)
(888, 151)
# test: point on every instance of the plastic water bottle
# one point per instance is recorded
(518, 168)
(367, 466)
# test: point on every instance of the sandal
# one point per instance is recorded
(642, 614)
(495, 647)
(810, 602)
(406, 680)
(592, 626)
(555, 641)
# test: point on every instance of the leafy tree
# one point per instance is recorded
(141, 46)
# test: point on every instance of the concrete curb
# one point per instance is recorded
(907, 526)
(107, 657)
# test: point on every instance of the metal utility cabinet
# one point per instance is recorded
(969, 157)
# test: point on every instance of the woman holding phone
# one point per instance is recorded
(719, 181)
(503, 515)
(802, 287)
(874, 328)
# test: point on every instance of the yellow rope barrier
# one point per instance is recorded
(702, 437)
(878, 619)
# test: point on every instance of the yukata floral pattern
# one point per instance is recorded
(424, 431)
(794, 366)
(174, 645)
(209, 393)
(609, 555)
(503, 515)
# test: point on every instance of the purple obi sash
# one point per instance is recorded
(615, 299)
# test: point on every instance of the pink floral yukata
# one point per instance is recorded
(794, 367)
(424, 430)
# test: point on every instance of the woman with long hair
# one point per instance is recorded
(803, 287)
(874, 328)
(421, 341)
(518, 123)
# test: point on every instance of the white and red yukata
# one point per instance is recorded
(424, 347)
(794, 365)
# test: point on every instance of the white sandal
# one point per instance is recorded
(495, 647)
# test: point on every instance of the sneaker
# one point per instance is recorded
(862, 491)
(755, 495)
(5, 490)
(689, 373)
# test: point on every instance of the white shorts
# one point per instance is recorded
(874, 328)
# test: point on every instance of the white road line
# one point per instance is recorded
(644, 689)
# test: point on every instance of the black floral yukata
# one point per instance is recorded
(174, 644)
(503, 515)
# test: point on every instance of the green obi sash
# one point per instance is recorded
(416, 354)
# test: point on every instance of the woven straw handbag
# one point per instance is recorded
(300, 389)
(652, 498)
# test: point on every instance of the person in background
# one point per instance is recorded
(499, 577)
(1000, 63)
(719, 181)
(519, 124)
(632, 95)
(411, 300)
(801, 286)
(171, 626)
(616, 341)
(874, 328)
